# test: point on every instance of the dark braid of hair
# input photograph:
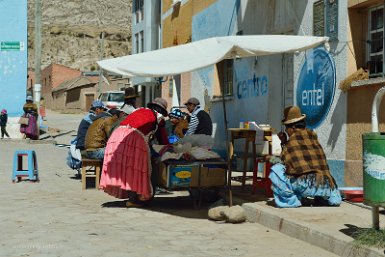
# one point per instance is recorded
(157, 108)
(130, 101)
(298, 124)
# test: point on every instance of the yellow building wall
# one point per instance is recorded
(359, 118)
(198, 5)
(177, 27)
(177, 30)
(363, 3)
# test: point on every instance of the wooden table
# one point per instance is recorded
(249, 137)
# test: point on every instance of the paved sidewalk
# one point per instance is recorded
(329, 228)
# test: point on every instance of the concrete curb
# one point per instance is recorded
(256, 213)
(29, 141)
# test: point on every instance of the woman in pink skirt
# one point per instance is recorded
(127, 159)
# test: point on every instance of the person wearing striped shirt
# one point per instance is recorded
(200, 121)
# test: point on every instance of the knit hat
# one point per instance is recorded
(4, 111)
(292, 114)
(159, 105)
(176, 113)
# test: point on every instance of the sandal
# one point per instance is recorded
(133, 205)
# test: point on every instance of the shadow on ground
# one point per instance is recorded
(166, 201)
(182, 206)
(353, 231)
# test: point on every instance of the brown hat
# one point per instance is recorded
(159, 105)
(292, 114)
(129, 92)
(192, 100)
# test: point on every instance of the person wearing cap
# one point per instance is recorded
(97, 107)
(200, 121)
(179, 124)
(122, 115)
(127, 165)
(129, 100)
(98, 133)
(3, 123)
(30, 112)
(303, 172)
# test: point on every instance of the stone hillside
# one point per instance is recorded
(71, 31)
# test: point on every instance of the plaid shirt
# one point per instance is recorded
(303, 155)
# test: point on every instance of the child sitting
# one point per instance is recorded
(180, 124)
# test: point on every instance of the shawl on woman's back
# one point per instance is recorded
(303, 154)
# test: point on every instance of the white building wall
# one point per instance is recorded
(280, 72)
(332, 131)
(150, 28)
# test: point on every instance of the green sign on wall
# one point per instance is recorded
(11, 46)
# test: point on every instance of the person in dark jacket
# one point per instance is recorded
(129, 100)
(3, 123)
(97, 108)
(99, 132)
(200, 121)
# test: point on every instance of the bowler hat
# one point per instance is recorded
(292, 114)
(192, 100)
(130, 93)
(159, 105)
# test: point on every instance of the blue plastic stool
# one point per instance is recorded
(19, 172)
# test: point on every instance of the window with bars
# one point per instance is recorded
(141, 41)
(137, 43)
(376, 41)
(225, 73)
(139, 14)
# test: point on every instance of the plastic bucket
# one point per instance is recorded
(373, 151)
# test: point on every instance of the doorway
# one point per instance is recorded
(88, 101)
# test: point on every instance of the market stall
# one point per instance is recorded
(204, 53)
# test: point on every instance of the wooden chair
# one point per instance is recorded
(93, 171)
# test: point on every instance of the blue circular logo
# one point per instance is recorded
(316, 86)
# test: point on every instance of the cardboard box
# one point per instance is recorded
(185, 176)
(175, 176)
(210, 177)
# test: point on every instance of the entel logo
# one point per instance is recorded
(316, 87)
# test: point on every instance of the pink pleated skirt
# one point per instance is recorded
(127, 165)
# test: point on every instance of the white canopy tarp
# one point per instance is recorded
(203, 53)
